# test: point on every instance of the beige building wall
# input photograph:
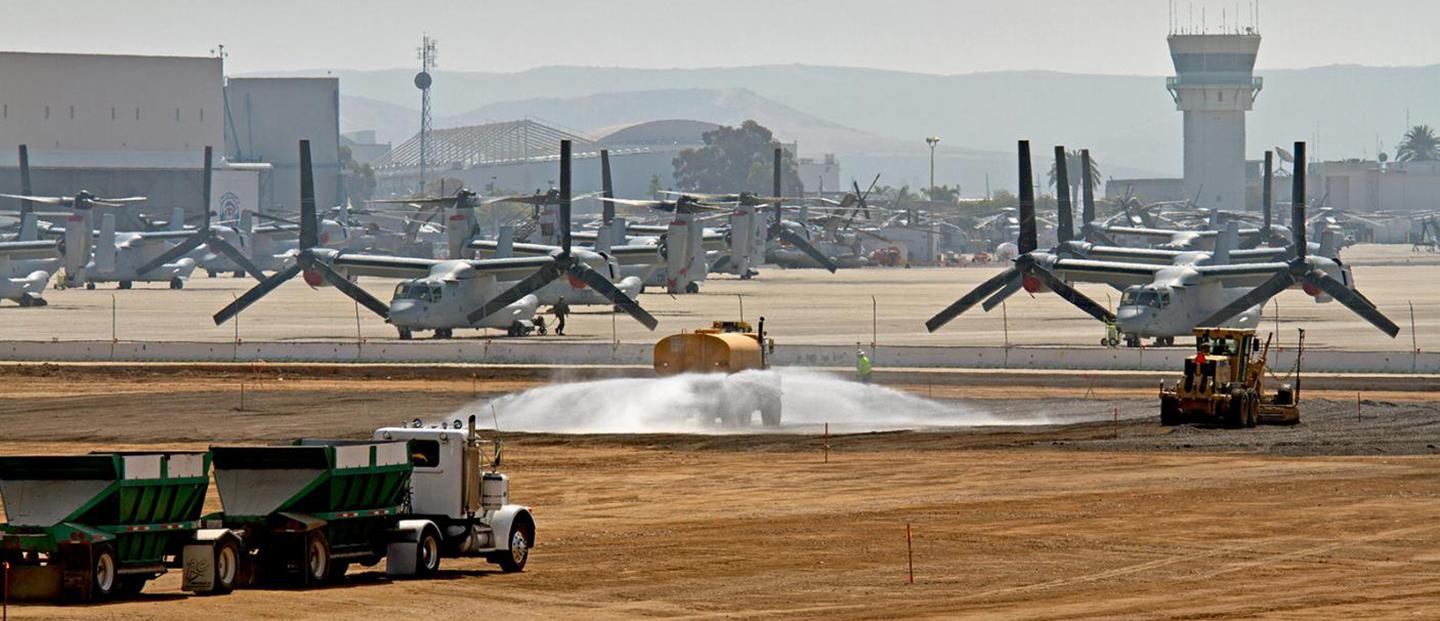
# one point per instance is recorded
(110, 103)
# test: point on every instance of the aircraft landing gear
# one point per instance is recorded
(238, 274)
(443, 333)
(693, 287)
(405, 334)
(125, 284)
(91, 286)
(176, 283)
(212, 273)
(1132, 340)
(1165, 341)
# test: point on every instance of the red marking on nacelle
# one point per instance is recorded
(1312, 290)
(457, 217)
(575, 283)
(75, 218)
(314, 279)
(324, 239)
(1032, 284)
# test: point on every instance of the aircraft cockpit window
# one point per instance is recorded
(1147, 298)
(435, 291)
(1164, 299)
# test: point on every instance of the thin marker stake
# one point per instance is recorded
(910, 552)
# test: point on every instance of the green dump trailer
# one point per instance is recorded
(306, 511)
(89, 527)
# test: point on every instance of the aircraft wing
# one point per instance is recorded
(1241, 274)
(382, 265)
(1106, 272)
(487, 248)
(39, 249)
(1142, 231)
(637, 254)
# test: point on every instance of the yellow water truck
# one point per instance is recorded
(726, 349)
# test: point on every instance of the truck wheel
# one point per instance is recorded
(316, 563)
(1235, 410)
(1170, 412)
(514, 560)
(427, 553)
(104, 572)
(227, 567)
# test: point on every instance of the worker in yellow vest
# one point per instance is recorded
(863, 369)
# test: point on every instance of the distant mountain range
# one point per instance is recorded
(1129, 122)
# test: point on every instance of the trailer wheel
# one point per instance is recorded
(104, 572)
(316, 563)
(227, 567)
(521, 534)
(427, 553)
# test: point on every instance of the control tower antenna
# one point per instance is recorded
(423, 80)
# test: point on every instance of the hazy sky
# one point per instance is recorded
(933, 36)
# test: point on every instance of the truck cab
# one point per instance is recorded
(456, 485)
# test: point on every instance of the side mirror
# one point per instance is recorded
(495, 462)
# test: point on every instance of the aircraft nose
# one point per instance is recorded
(1128, 317)
(403, 309)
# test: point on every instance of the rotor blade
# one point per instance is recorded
(309, 226)
(25, 206)
(351, 289)
(43, 200)
(255, 293)
(1065, 224)
(531, 284)
(1354, 301)
(179, 250)
(599, 283)
(565, 197)
(607, 188)
(1029, 239)
(805, 247)
(1297, 201)
(975, 296)
(1259, 295)
(220, 246)
(1087, 190)
(1071, 294)
(205, 187)
(776, 190)
(1011, 286)
(266, 216)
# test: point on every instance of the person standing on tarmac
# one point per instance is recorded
(863, 369)
(561, 310)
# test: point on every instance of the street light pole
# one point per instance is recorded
(932, 141)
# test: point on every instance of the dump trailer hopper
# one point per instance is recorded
(305, 511)
(86, 527)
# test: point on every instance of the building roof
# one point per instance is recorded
(491, 143)
(682, 132)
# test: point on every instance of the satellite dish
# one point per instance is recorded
(1384, 157)
(423, 80)
(1285, 156)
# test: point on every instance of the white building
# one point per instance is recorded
(266, 120)
(1367, 186)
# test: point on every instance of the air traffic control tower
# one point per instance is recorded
(1214, 85)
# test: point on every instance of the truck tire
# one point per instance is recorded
(315, 563)
(227, 566)
(104, 572)
(1170, 412)
(521, 535)
(1235, 410)
(427, 553)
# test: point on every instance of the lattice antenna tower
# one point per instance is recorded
(423, 80)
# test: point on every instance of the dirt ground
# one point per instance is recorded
(1097, 518)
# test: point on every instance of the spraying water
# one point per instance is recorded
(689, 404)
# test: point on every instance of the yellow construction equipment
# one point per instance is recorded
(1224, 383)
(725, 347)
(721, 354)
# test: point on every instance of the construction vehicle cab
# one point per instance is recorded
(1224, 383)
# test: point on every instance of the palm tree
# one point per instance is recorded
(1072, 170)
(1420, 144)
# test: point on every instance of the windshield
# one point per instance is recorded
(1145, 297)
(1216, 347)
(425, 292)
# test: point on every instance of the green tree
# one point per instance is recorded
(655, 186)
(1420, 144)
(735, 159)
(359, 178)
(1073, 172)
(943, 194)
